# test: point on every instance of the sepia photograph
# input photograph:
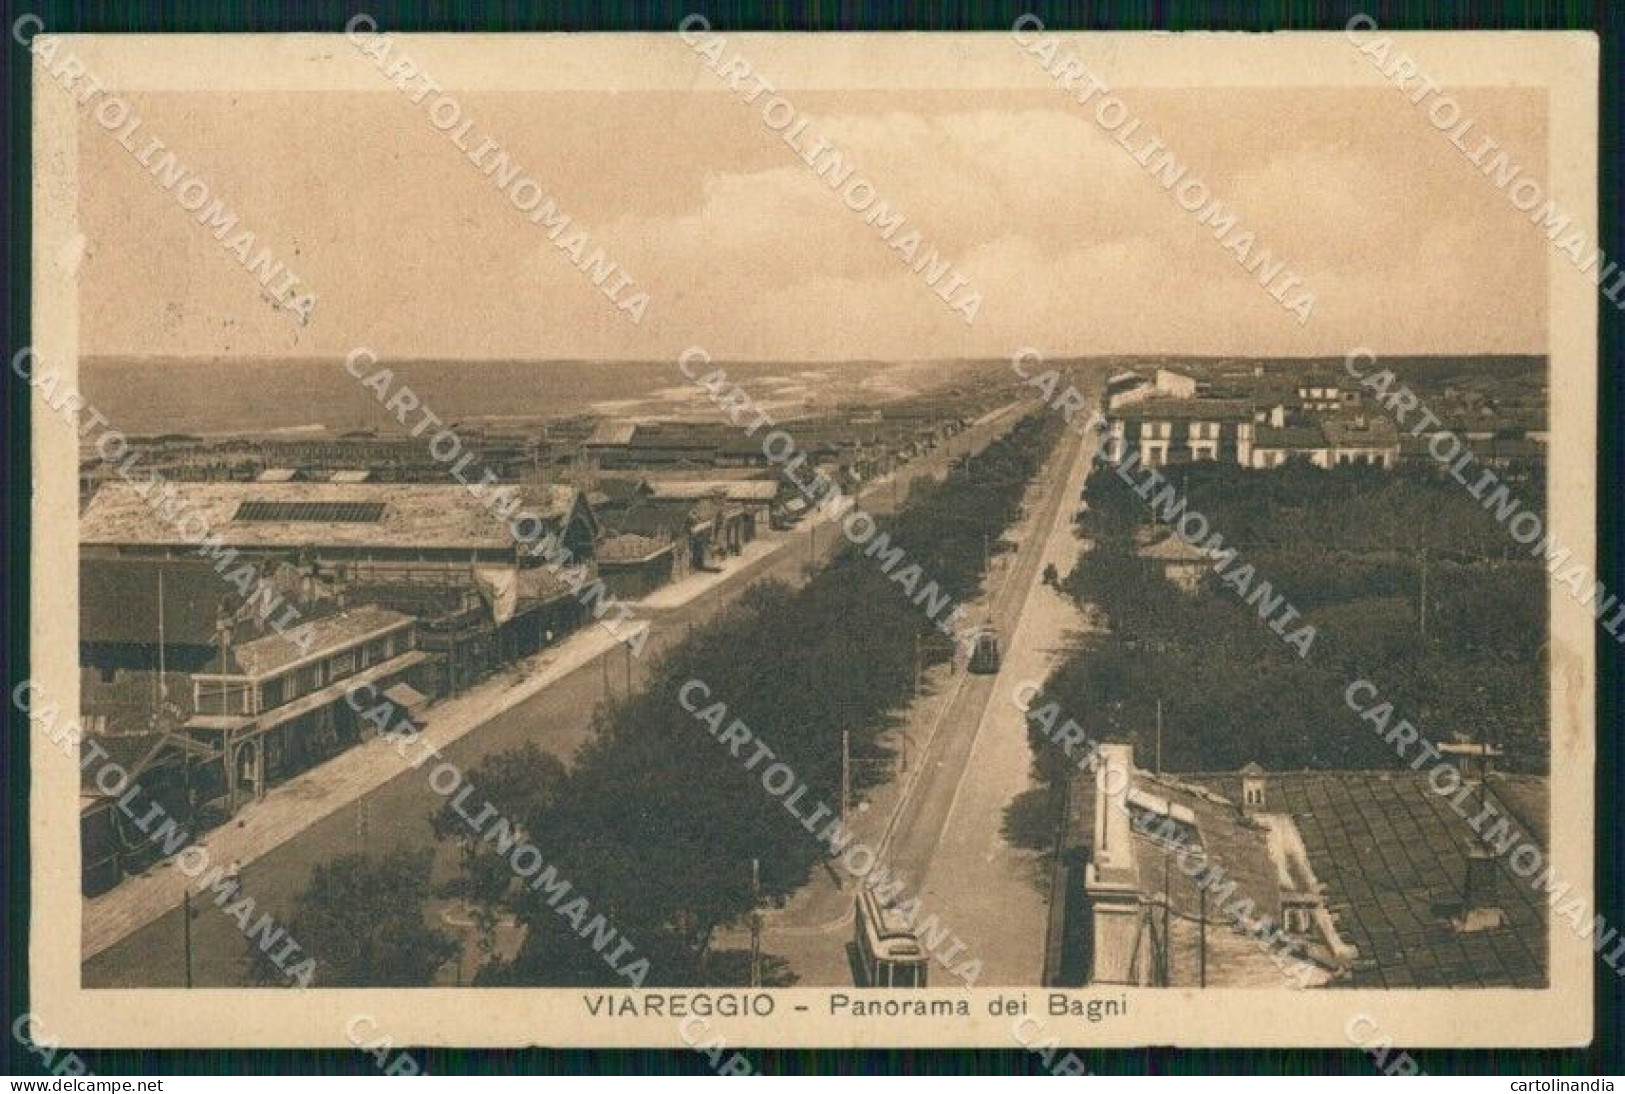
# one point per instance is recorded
(710, 540)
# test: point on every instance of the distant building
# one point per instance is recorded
(1274, 445)
(1182, 563)
(342, 530)
(169, 769)
(1127, 387)
(482, 595)
(633, 566)
(1328, 441)
(1175, 385)
(1358, 439)
(1163, 431)
(708, 529)
(1320, 392)
(757, 499)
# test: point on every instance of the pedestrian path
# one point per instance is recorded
(296, 805)
(291, 807)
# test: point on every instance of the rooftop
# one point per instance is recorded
(118, 601)
(1292, 436)
(1391, 855)
(1360, 432)
(611, 433)
(312, 637)
(1199, 410)
(631, 547)
(1172, 548)
(268, 515)
(734, 490)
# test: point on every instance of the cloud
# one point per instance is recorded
(1073, 245)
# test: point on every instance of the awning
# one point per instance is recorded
(218, 722)
(335, 692)
(405, 696)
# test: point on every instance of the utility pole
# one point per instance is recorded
(1159, 737)
(846, 774)
(608, 693)
(1424, 606)
(755, 923)
(1167, 921)
(628, 650)
(919, 665)
(186, 931)
(1201, 934)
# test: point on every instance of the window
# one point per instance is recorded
(342, 665)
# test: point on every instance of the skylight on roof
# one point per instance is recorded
(311, 512)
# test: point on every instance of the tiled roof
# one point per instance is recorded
(1292, 436)
(540, 585)
(612, 433)
(1196, 410)
(1392, 856)
(1232, 842)
(668, 517)
(118, 601)
(631, 547)
(311, 637)
(1375, 432)
(134, 752)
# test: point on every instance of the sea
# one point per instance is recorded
(147, 397)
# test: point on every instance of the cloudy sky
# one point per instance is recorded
(1074, 246)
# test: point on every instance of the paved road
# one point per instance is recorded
(396, 815)
(945, 836)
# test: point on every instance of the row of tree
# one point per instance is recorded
(1403, 576)
(660, 824)
(654, 822)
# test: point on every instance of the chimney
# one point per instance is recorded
(1480, 909)
(1254, 798)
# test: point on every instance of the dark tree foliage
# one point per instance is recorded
(656, 823)
(364, 921)
(1349, 548)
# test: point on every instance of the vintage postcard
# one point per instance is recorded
(1016, 539)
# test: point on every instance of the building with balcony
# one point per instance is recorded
(276, 705)
(1164, 431)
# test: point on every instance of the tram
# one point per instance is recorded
(889, 954)
(985, 656)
